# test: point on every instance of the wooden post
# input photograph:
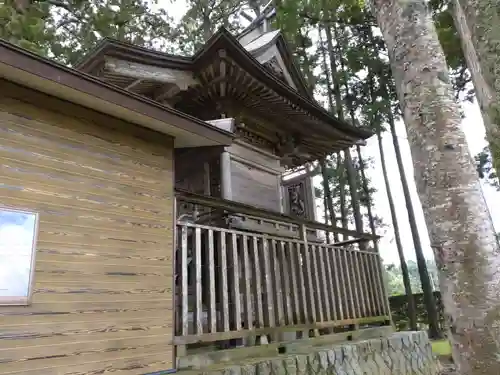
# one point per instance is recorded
(308, 279)
(225, 171)
(207, 180)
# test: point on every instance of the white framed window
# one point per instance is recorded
(18, 237)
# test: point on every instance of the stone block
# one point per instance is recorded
(406, 353)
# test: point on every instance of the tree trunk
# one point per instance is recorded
(341, 177)
(462, 233)
(333, 69)
(329, 210)
(326, 182)
(412, 311)
(429, 300)
(366, 190)
(478, 24)
(353, 190)
(350, 171)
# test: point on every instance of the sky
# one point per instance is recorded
(474, 130)
(17, 231)
(473, 127)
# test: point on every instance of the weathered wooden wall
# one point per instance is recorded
(102, 298)
(255, 177)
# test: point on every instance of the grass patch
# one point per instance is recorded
(441, 347)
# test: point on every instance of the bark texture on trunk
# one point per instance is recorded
(460, 226)
(327, 192)
(478, 24)
(342, 197)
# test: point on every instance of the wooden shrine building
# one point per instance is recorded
(163, 219)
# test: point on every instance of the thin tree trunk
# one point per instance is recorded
(461, 232)
(334, 91)
(412, 312)
(326, 183)
(329, 210)
(341, 178)
(350, 171)
(429, 299)
(366, 190)
(325, 208)
(478, 24)
(333, 69)
(353, 190)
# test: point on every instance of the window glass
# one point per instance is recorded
(17, 251)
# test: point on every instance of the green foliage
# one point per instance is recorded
(399, 309)
(395, 277)
(29, 28)
(67, 29)
(484, 166)
(202, 20)
(450, 41)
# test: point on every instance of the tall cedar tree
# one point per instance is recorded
(461, 229)
(65, 30)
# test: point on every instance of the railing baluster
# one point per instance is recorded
(341, 296)
(184, 281)
(270, 321)
(347, 276)
(224, 299)
(235, 283)
(376, 283)
(198, 306)
(325, 288)
(278, 288)
(356, 282)
(301, 271)
(317, 286)
(332, 288)
(309, 278)
(381, 286)
(371, 280)
(295, 293)
(248, 283)
(365, 291)
(256, 284)
(286, 290)
(212, 310)
(304, 283)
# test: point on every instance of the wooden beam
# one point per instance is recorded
(167, 93)
(141, 71)
(241, 208)
(228, 335)
(134, 84)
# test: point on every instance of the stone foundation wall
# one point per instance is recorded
(404, 353)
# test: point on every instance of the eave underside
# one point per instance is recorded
(224, 87)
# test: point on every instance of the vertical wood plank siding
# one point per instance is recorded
(103, 288)
(253, 186)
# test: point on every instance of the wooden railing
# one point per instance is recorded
(234, 284)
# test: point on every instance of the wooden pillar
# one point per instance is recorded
(225, 172)
(207, 180)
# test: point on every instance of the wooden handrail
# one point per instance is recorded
(241, 208)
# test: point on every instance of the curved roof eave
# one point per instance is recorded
(141, 55)
(223, 39)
